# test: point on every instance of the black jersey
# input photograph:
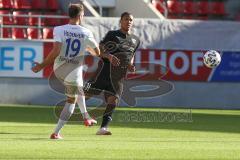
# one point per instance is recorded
(121, 45)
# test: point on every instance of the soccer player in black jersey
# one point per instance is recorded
(120, 47)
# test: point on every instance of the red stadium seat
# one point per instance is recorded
(47, 33)
(64, 20)
(39, 4)
(52, 21)
(218, 8)
(6, 4)
(19, 20)
(34, 20)
(52, 4)
(158, 5)
(6, 19)
(19, 33)
(7, 33)
(203, 7)
(22, 4)
(33, 33)
(175, 7)
(189, 7)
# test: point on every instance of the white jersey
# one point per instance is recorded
(75, 39)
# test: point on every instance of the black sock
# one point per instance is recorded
(107, 116)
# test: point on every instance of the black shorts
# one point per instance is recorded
(108, 87)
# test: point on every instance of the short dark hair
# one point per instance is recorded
(74, 10)
(125, 14)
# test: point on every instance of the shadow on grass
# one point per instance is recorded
(132, 119)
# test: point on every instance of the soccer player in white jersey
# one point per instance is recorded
(70, 43)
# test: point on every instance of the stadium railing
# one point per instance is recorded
(40, 26)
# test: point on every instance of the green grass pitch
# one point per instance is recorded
(210, 134)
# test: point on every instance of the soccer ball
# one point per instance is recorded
(212, 58)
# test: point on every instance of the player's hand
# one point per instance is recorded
(131, 68)
(37, 67)
(113, 60)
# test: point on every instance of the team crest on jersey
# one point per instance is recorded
(134, 41)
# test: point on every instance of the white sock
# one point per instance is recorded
(59, 126)
(82, 106)
(64, 117)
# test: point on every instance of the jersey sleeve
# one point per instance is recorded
(90, 41)
(57, 35)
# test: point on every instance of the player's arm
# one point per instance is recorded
(54, 52)
(131, 66)
(49, 59)
(112, 59)
(98, 51)
(94, 51)
(92, 46)
(104, 53)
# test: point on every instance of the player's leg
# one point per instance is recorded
(71, 91)
(64, 116)
(112, 102)
(88, 120)
(91, 89)
(112, 98)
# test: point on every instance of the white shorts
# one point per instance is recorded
(71, 78)
(73, 91)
